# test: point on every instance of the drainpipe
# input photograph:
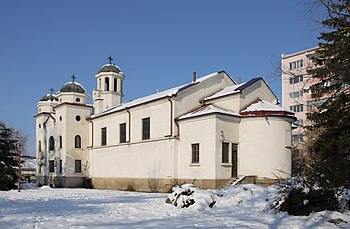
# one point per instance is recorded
(129, 125)
(171, 117)
(92, 133)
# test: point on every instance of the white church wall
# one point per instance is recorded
(227, 130)
(197, 130)
(257, 90)
(262, 150)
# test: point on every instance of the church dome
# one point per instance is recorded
(110, 68)
(73, 87)
(49, 97)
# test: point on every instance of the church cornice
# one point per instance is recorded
(74, 104)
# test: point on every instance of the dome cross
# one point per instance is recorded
(110, 59)
(73, 77)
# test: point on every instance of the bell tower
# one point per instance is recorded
(109, 90)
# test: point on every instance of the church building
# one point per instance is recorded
(209, 131)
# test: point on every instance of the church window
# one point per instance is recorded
(77, 141)
(51, 166)
(39, 146)
(225, 154)
(77, 166)
(60, 118)
(60, 142)
(77, 100)
(146, 130)
(77, 118)
(51, 143)
(122, 133)
(106, 84)
(104, 136)
(195, 153)
(115, 84)
(39, 125)
(60, 168)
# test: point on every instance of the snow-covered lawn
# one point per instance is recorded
(88, 208)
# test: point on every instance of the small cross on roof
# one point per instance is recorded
(51, 90)
(110, 59)
(73, 77)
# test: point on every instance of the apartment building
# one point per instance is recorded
(295, 82)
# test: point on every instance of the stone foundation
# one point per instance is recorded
(60, 182)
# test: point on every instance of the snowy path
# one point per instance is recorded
(84, 208)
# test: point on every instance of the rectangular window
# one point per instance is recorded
(296, 79)
(78, 166)
(146, 128)
(225, 155)
(104, 136)
(297, 108)
(60, 169)
(51, 166)
(296, 64)
(122, 133)
(195, 153)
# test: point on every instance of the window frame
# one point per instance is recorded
(103, 136)
(195, 153)
(77, 169)
(122, 132)
(225, 149)
(77, 142)
(51, 166)
(51, 143)
(146, 128)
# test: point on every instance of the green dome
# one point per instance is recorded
(49, 97)
(73, 87)
(110, 68)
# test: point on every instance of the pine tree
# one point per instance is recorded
(8, 158)
(331, 121)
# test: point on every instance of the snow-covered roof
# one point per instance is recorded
(72, 87)
(233, 89)
(167, 93)
(205, 110)
(226, 91)
(261, 105)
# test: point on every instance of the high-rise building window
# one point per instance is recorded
(297, 108)
(296, 79)
(296, 64)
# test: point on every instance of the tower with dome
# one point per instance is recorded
(211, 130)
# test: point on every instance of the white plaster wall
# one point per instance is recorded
(152, 159)
(199, 130)
(227, 130)
(257, 90)
(262, 150)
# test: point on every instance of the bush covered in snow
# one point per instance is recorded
(297, 196)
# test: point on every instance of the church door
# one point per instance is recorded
(234, 160)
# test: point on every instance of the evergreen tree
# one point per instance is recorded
(8, 158)
(331, 120)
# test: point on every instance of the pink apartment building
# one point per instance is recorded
(294, 83)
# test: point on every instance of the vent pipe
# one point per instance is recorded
(194, 76)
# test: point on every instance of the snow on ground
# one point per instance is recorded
(242, 207)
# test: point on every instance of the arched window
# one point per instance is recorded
(39, 146)
(51, 143)
(115, 84)
(77, 100)
(99, 84)
(106, 84)
(77, 141)
(60, 142)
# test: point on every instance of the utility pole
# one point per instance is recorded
(19, 166)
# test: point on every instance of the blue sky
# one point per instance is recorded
(157, 44)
